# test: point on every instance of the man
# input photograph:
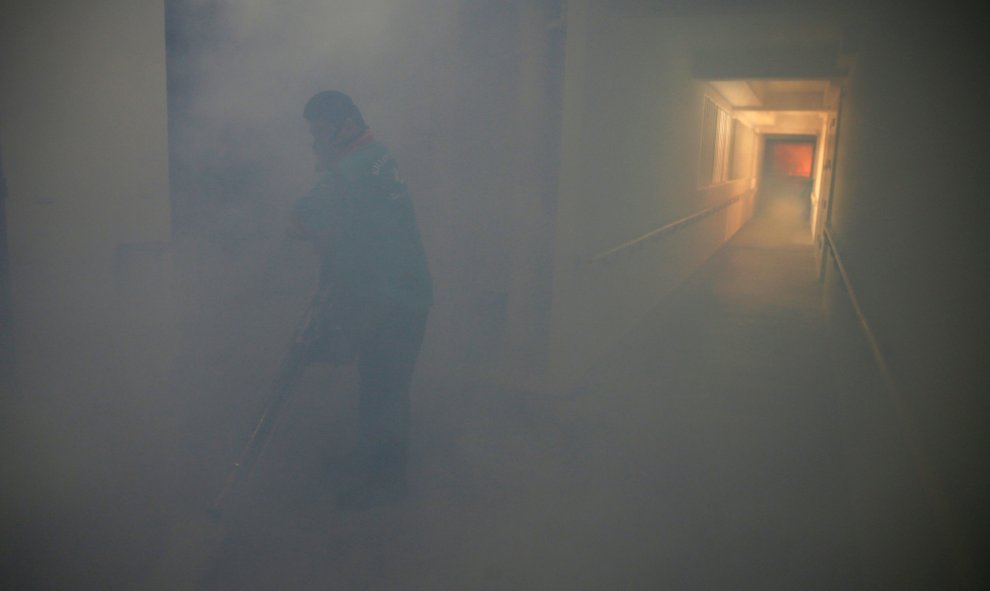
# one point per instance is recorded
(374, 280)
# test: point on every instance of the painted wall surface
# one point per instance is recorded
(908, 219)
(492, 180)
(84, 136)
(632, 121)
(822, 178)
(83, 129)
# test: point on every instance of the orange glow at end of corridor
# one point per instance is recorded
(792, 158)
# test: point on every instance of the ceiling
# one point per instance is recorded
(780, 106)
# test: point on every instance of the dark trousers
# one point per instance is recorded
(386, 358)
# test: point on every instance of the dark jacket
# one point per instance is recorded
(361, 218)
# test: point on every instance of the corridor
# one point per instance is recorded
(642, 369)
(703, 453)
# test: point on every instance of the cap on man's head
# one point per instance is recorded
(332, 105)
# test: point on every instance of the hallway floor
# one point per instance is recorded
(703, 454)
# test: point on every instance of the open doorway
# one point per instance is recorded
(788, 179)
(792, 118)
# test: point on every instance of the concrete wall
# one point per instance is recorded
(631, 133)
(908, 218)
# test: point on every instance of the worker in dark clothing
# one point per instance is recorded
(375, 284)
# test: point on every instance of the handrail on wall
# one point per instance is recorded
(662, 230)
(930, 479)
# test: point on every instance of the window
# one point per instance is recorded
(716, 134)
(741, 160)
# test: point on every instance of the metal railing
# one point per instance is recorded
(929, 478)
(662, 231)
